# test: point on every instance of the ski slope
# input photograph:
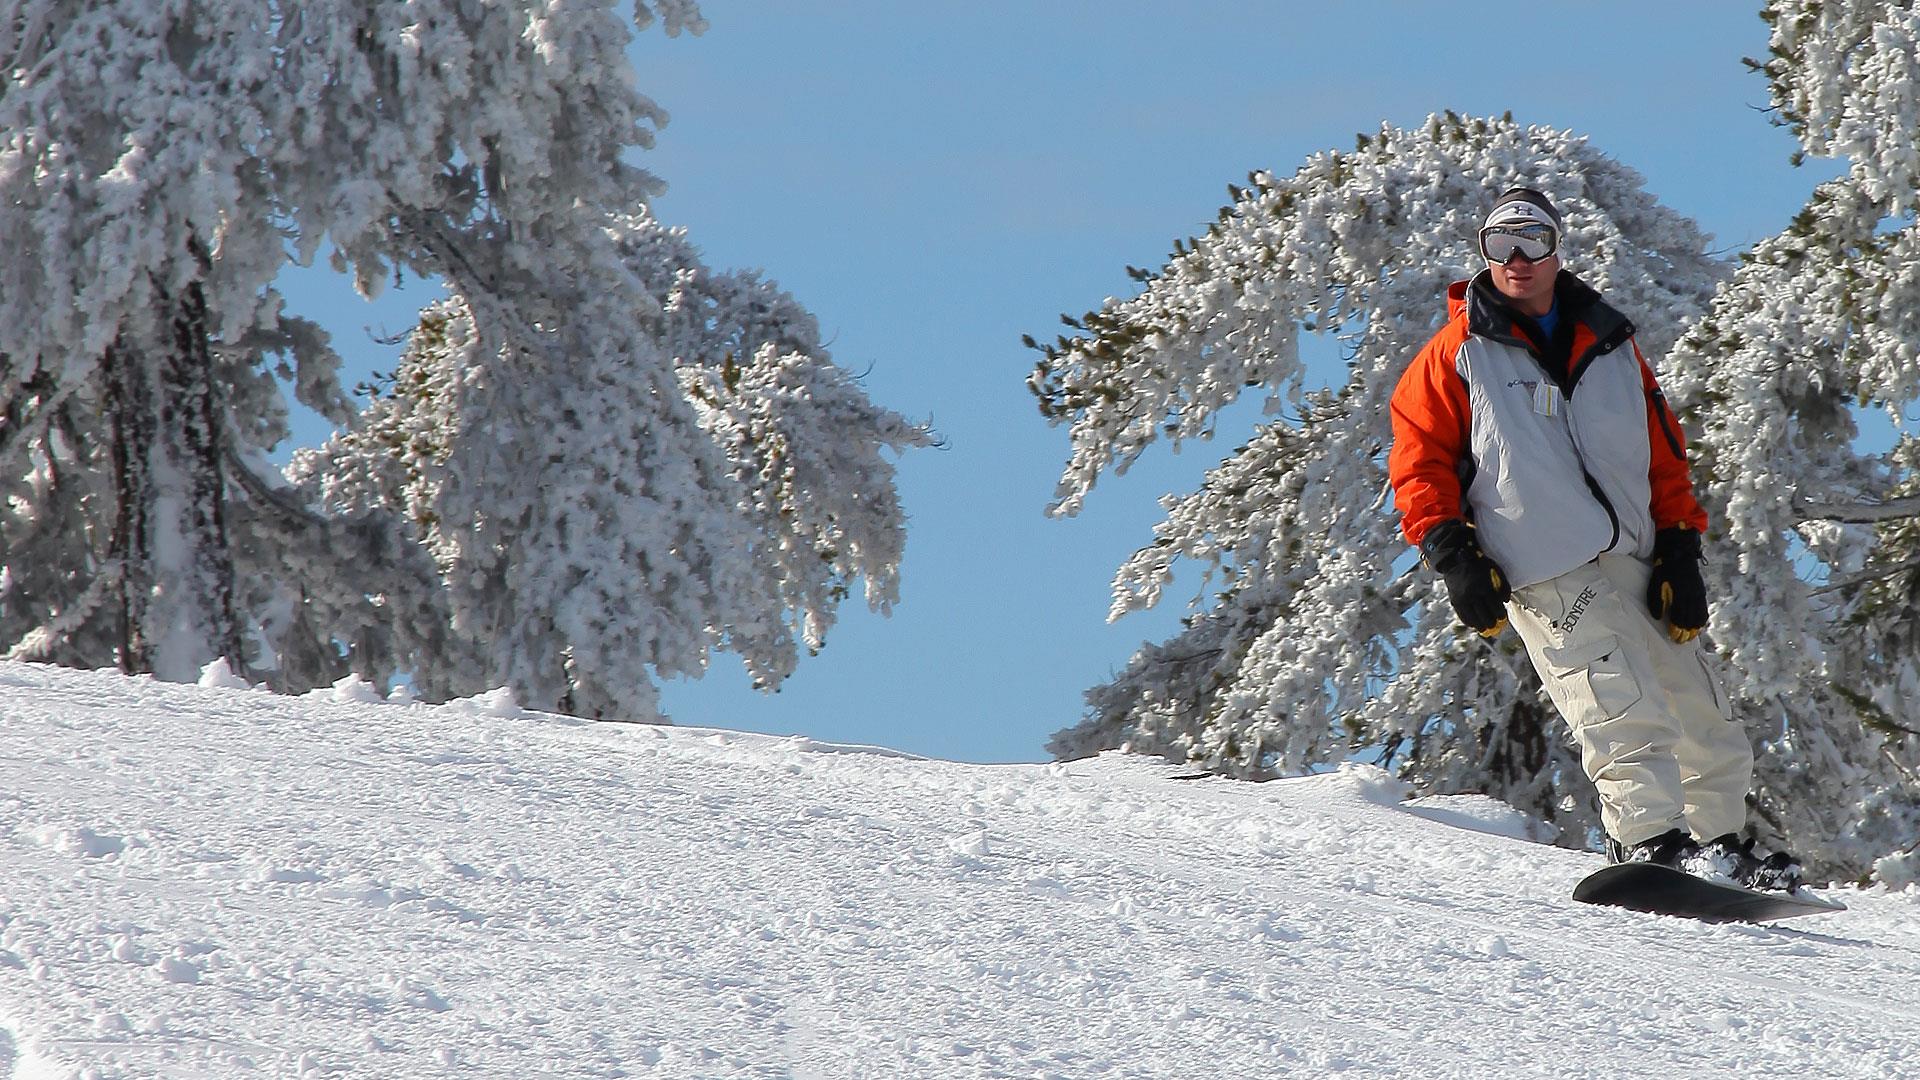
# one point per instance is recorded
(214, 881)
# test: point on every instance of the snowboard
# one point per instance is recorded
(1642, 886)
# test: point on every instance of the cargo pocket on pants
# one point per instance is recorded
(1597, 671)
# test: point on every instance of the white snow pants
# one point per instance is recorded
(1652, 722)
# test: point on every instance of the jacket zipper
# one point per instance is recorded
(1594, 352)
(1659, 402)
(1605, 503)
(1599, 348)
(1613, 516)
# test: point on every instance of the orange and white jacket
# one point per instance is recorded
(1553, 467)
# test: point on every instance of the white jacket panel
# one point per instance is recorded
(1534, 453)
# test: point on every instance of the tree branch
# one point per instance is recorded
(280, 499)
(1861, 513)
(21, 423)
(41, 640)
(1874, 573)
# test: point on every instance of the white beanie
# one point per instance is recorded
(1520, 206)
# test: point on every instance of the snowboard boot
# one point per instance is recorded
(1731, 858)
(1670, 848)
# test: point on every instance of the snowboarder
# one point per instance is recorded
(1538, 469)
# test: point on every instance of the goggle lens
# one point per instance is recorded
(1500, 243)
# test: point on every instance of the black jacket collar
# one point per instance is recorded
(1489, 312)
(1491, 315)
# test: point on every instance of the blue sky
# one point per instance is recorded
(934, 180)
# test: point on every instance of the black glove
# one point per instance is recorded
(1474, 582)
(1677, 594)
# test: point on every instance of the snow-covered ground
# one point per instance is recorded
(219, 882)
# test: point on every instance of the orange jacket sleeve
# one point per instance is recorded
(1673, 501)
(1432, 420)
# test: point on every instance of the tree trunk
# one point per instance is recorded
(1519, 759)
(170, 534)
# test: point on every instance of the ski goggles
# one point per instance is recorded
(1500, 243)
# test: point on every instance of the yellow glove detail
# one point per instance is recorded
(1679, 635)
(1499, 586)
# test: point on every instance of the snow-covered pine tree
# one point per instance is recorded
(52, 587)
(1325, 638)
(126, 151)
(571, 575)
(1815, 552)
(164, 161)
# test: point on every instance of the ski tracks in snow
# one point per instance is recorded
(1567, 990)
(220, 882)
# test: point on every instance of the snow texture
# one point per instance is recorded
(222, 882)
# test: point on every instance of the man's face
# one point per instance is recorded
(1528, 284)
